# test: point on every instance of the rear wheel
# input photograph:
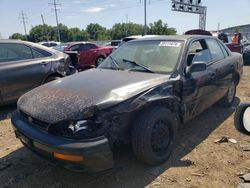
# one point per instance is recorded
(228, 99)
(99, 60)
(153, 135)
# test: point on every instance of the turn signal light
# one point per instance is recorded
(73, 158)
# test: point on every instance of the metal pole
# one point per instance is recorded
(58, 30)
(126, 25)
(145, 17)
(45, 29)
(24, 25)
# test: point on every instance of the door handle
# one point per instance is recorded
(212, 75)
(44, 63)
(232, 67)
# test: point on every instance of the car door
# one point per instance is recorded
(20, 71)
(87, 54)
(198, 87)
(223, 65)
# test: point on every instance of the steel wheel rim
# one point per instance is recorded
(99, 60)
(160, 138)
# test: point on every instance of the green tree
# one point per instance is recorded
(64, 32)
(18, 36)
(97, 32)
(160, 28)
(38, 33)
(121, 30)
(75, 34)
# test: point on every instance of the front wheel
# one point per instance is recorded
(228, 99)
(153, 135)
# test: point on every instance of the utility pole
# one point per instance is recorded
(126, 25)
(45, 29)
(145, 17)
(24, 18)
(56, 9)
(218, 27)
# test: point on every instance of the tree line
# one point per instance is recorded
(93, 31)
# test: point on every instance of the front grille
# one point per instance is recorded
(36, 122)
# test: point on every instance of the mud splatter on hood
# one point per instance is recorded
(69, 97)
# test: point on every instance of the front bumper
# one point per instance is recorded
(96, 153)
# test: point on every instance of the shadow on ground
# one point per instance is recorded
(5, 111)
(28, 170)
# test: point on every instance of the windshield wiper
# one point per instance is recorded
(138, 64)
(114, 62)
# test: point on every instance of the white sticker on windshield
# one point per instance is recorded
(170, 44)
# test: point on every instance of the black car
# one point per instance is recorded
(25, 65)
(138, 95)
(246, 55)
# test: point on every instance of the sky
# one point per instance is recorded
(79, 13)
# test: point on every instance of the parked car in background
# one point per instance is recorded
(50, 43)
(113, 43)
(138, 95)
(26, 65)
(246, 55)
(90, 54)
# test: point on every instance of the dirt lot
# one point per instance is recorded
(196, 161)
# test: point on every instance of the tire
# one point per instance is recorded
(228, 99)
(99, 60)
(238, 118)
(147, 147)
(51, 78)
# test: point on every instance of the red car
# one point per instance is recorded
(89, 54)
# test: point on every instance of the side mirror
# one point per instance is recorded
(196, 67)
(242, 118)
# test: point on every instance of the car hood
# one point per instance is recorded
(70, 97)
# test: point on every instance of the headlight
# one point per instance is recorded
(78, 126)
(82, 129)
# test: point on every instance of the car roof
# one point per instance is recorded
(172, 37)
(80, 42)
(29, 44)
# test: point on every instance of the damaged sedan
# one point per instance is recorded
(138, 95)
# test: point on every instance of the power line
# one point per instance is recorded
(56, 9)
(24, 18)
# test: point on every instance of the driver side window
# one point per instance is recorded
(198, 51)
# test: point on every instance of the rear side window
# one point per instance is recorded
(14, 52)
(85, 47)
(215, 49)
(38, 53)
(3, 53)
(225, 52)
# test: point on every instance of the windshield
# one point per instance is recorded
(145, 56)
